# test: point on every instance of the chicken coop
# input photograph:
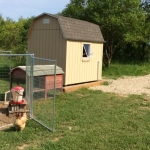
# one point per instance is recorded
(43, 77)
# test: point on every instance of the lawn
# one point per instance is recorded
(117, 70)
(88, 120)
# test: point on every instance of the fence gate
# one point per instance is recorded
(39, 84)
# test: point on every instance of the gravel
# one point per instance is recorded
(127, 85)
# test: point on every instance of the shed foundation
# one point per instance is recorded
(72, 88)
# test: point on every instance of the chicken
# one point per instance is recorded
(20, 121)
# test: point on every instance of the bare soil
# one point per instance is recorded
(5, 119)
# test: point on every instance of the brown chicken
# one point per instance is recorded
(20, 121)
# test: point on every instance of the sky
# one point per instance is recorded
(27, 8)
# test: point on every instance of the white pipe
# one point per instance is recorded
(98, 71)
(6, 94)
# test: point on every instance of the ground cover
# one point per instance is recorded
(88, 119)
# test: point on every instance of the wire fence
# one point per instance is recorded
(5, 67)
(43, 91)
(37, 77)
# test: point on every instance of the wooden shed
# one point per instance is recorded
(43, 77)
(77, 46)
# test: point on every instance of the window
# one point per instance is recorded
(86, 50)
(46, 21)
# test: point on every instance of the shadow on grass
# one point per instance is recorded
(10, 129)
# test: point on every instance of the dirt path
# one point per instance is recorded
(127, 85)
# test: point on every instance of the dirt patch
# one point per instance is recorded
(5, 119)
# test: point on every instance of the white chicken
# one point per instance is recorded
(20, 121)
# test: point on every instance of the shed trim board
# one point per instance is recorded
(65, 45)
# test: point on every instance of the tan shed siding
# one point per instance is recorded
(46, 41)
(51, 26)
(77, 70)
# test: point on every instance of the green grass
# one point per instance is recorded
(4, 86)
(117, 70)
(43, 111)
(88, 120)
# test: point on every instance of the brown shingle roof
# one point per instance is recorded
(78, 30)
(74, 29)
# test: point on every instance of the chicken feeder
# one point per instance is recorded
(17, 93)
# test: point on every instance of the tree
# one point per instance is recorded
(75, 9)
(20, 47)
(145, 44)
(21, 44)
(13, 36)
(1, 32)
(121, 21)
(10, 34)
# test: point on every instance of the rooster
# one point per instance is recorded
(20, 121)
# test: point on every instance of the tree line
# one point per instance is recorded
(125, 25)
(13, 34)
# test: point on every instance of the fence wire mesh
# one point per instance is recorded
(7, 63)
(38, 80)
(42, 93)
(5, 67)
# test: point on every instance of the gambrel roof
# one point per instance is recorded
(78, 30)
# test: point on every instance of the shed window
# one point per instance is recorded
(46, 21)
(86, 50)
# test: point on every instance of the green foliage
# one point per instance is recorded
(119, 70)
(75, 9)
(13, 37)
(13, 34)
